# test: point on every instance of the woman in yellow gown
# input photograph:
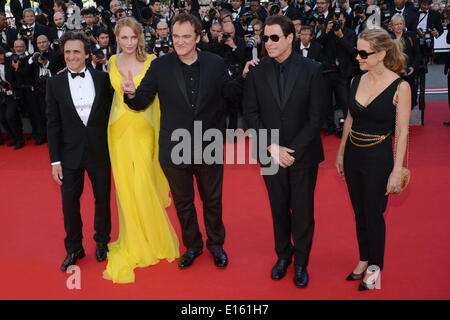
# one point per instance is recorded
(145, 232)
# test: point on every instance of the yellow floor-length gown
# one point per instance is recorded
(142, 191)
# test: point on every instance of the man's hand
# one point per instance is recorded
(435, 33)
(329, 26)
(127, 84)
(339, 34)
(246, 70)
(281, 155)
(57, 173)
(230, 43)
(410, 71)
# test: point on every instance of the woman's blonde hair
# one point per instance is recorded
(380, 40)
(397, 17)
(132, 23)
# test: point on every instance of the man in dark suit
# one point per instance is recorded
(29, 21)
(340, 65)
(408, 12)
(58, 28)
(285, 93)
(192, 87)
(287, 10)
(429, 19)
(17, 7)
(8, 34)
(307, 46)
(79, 103)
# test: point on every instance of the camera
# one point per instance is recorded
(105, 14)
(336, 25)
(55, 45)
(225, 36)
(26, 32)
(39, 57)
(4, 84)
(426, 40)
(162, 46)
(15, 57)
(319, 18)
(248, 16)
(360, 7)
(275, 9)
(97, 51)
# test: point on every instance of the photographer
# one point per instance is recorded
(88, 19)
(412, 51)
(3, 109)
(287, 10)
(114, 5)
(428, 23)
(253, 39)
(258, 11)
(307, 46)
(101, 52)
(163, 43)
(30, 30)
(339, 66)
(233, 50)
(58, 28)
(211, 18)
(44, 63)
(17, 7)
(321, 16)
(8, 34)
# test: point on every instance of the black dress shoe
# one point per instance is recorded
(31, 137)
(11, 144)
(447, 123)
(188, 258)
(2, 141)
(19, 145)
(72, 258)
(220, 258)
(40, 141)
(280, 268)
(101, 252)
(301, 277)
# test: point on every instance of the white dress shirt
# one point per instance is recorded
(304, 52)
(423, 20)
(234, 15)
(2, 71)
(82, 91)
(30, 42)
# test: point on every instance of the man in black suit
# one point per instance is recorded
(192, 87)
(29, 21)
(408, 12)
(285, 93)
(307, 46)
(8, 34)
(58, 28)
(287, 10)
(340, 65)
(79, 103)
(429, 19)
(17, 7)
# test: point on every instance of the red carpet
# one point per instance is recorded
(417, 253)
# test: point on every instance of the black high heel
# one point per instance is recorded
(354, 276)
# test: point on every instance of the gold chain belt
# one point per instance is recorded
(371, 139)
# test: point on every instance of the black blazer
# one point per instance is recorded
(68, 137)
(52, 32)
(298, 114)
(165, 78)
(314, 52)
(17, 9)
(433, 21)
(11, 36)
(39, 29)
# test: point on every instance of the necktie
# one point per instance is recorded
(424, 12)
(74, 75)
(398, 11)
(61, 29)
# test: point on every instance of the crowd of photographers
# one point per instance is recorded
(326, 32)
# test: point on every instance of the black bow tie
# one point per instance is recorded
(61, 29)
(424, 12)
(74, 75)
(307, 49)
(399, 11)
(235, 11)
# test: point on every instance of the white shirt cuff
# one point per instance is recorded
(56, 163)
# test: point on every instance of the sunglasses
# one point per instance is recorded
(273, 37)
(364, 54)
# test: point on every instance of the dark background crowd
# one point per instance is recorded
(326, 31)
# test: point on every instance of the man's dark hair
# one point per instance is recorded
(70, 35)
(99, 31)
(146, 13)
(193, 20)
(284, 22)
(152, 2)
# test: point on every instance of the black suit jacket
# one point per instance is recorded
(11, 36)
(68, 137)
(314, 52)
(52, 32)
(17, 9)
(298, 114)
(411, 17)
(39, 29)
(165, 78)
(434, 21)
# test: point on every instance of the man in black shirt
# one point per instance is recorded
(192, 87)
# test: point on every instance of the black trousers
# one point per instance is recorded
(367, 172)
(41, 113)
(31, 107)
(291, 195)
(209, 182)
(10, 118)
(339, 87)
(72, 188)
